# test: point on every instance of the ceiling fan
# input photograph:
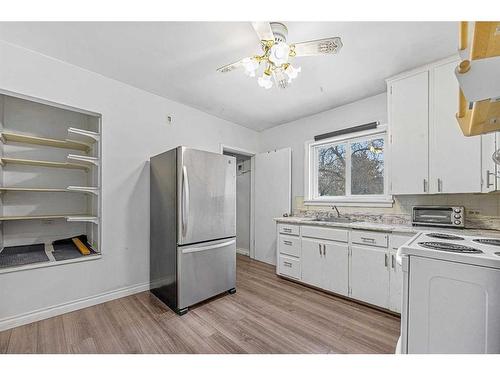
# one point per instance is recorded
(277, 54)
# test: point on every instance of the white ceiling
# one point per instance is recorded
(178, 60)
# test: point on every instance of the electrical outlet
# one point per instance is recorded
(170, 119)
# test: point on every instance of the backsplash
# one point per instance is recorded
(482, 210)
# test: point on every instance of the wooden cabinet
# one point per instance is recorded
(409, 133)
(325, 264)
(428, 152)
(369, 279)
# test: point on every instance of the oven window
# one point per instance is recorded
(434, 215)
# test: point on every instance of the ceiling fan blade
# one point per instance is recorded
(326, 46)
(263, 30)
(230, 67)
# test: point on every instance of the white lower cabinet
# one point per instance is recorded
(369, 279)
(354, 263)
(395, 271)
(325, 264)
(395, 283)
(289, 266)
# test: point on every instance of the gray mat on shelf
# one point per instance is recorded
(22, 255)
(66, 251)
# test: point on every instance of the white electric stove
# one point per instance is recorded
(451, 294)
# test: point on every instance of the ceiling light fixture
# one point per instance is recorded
(277, 54)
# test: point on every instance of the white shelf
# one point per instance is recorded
(68, 217)
(69, 189)
(84, 136)
(83, 218)
(84, 189)
(48, 190)
(90, 160)
(8, 136)
(43, 163)
(50, 263)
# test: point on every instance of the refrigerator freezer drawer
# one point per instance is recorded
(205, 270)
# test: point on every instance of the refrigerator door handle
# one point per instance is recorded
(185, 200)
(210, 247)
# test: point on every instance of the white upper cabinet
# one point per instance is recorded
(489, 143)
(409, 133)
(455, 160)
(429, 153)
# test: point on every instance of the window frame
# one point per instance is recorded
(311, 172)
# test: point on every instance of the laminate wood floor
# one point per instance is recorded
(266, 315)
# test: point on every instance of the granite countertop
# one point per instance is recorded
(381, 227)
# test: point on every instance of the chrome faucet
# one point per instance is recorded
(336, 209)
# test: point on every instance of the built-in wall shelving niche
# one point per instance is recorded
(46, 151)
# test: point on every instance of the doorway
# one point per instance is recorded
(244, 198)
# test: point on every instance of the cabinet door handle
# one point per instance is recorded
(488, 182)
(440, 185)
(319, 247)
(425, 185)
(289, 243)
(386, 261)
(287, 264)
(393, 261)
(324, 250)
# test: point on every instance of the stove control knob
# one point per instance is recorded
(457, 222)
(457, 210)
(457, 216)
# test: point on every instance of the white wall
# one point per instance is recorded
(133, 128)
(295, 134)
(243, 188)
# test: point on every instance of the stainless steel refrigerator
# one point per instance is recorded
(193, 226)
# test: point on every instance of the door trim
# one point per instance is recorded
(237, 150)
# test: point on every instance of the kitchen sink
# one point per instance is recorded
(336, 219)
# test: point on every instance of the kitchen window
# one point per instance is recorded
(348, 170)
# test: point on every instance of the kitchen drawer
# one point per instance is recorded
(289, 229)
(331, 234)
(370, 238)
(288, 266)
(289, 245)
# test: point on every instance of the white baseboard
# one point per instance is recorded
(49, 312)
(243, 251)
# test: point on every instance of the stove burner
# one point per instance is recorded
(488, 241)
(451, 247)
(444, 236)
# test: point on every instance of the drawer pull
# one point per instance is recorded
(287, 230)
(289, 243)
(368, 239)
(287, 264)
(385, 259)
